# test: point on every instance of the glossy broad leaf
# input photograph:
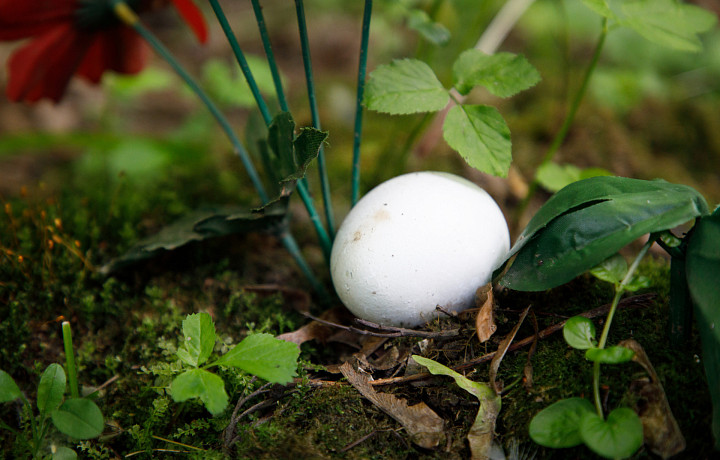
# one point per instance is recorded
(51, 388)
(199, 339)
(619, 436)
(609, 355)
(481, 136)
(703, 279)
(79, 418)
(558, 424)
(590, 220)
(9, 390)
(579, 333)
(502, 74)
(263, 355)
(405, 86)
(199, 383)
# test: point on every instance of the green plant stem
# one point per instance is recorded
(310, 81)
(362, 72)
(260, 19)
(265, 112)
(128, 17)
(569, 118)
(619, 290)
(70, 359)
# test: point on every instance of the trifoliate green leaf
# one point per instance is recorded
(405, 86)
(503, 74)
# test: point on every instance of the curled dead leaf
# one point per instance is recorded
(484, 321)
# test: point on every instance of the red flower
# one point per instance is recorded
(74, 37)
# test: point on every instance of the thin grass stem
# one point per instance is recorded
(362, 72)
(310, 82)
(70, 359)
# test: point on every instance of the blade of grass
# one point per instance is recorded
(70, 359)
(362, 71)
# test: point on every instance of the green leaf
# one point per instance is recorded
(557, 425)
(63, 453)
(554, 177)
(79, 418)
(405, 86)
(480, 135)
(579, 333)
(600, 7)
(51, 388)
(613, 269)
(263, 355)
(478, 389)
(590, 220)
(609, 355)
(9, 390)
(703, 278)
(434, 32)
(503, 74)
(617, 437)
(199, 339)
(199, 383)
(638, 282)
(228, 86)
(669, 23)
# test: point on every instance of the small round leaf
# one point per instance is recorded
(609, 355)
(79, 418)
(617, 437)
(579, 332)
(557, 425)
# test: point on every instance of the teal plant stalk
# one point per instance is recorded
(323, 236)
(126, 14)
(310, 81)
(362, 72)
(267, 46)
(70, 359)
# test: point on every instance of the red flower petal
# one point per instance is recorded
(194, 18)
(25, 18)
(119, 49)
(43, 67)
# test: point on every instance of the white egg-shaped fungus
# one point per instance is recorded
(416, 242)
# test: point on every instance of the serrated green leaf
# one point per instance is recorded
(51, 388)
(668, 22)
(617, 437)
(79, 418)
(306, 147)
(502, 74)
(405, 86)
(199, 383)
(703, 278)
(263, 355)
(557, 425)
(554, 177)
(579, 332)
(481, 136)
(613, 269)
(590, 220)
(199, 339)
(434, 32)
(609, 355)
(9, 390)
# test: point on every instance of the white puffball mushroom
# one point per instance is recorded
(415, 242)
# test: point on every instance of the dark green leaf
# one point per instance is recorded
(617, 437)
(9, 390)
(405, 86)
(502, 74)
(558, 424)
(263, 355)
(51, 388)
(79, 418)
(306, 147)
(703, 279)
(609, 355)
(588, 221)
(199, 339)
(579, 333)
(613, 269)
(432, 31)
(481, 136)
(199, 225)
(199, 383)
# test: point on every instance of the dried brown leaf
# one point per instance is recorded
(484, 321)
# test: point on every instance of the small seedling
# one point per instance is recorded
(79, 418)
(259, 354)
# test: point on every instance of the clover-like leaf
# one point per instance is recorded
(558, 424)
(79, 418)
(199, 383)
(405, 86)
(610, 355)
(263, 355)
(579, 332)
(51, 388)
(480, 136)
(619, 436)
(199, 339)
(502, 74)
